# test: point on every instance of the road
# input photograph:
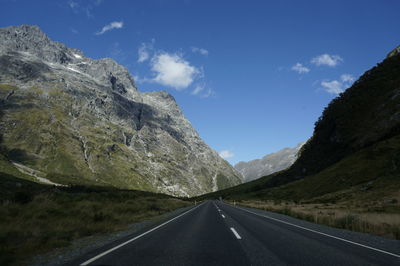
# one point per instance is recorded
(216, 233)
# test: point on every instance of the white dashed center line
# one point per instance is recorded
(235, 233)
(223, 216)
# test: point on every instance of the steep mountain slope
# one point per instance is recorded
(269, 164)
(354, 152)
(75, 120)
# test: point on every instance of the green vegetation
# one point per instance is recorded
(7, 87)
(382, 220)
(351, 164)
(48, 140)
(347, 174)
(364, 114)
(35, 218)
(369, 174)
(223, 181)
(353, 154)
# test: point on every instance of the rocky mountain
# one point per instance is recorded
(269, 164)
(70, 119)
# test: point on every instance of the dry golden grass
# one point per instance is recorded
(381, 219)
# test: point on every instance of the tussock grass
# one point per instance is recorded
(35, 219)
(381, 219)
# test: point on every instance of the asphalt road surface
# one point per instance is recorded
(215, 233)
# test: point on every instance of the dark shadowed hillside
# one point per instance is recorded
(354, 150)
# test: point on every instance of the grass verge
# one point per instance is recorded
(378, 220)
(35, 219)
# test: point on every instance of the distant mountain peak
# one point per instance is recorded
(269, 164)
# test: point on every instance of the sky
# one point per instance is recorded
(251, 76)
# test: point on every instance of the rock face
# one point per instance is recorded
(269, 164)
(83, 121)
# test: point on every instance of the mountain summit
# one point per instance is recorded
(268, 164)
(75, 120)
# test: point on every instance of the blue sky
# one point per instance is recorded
(251, 76)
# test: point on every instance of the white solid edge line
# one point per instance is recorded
(311, 230)
(133, 239)
(235, 233)
(223, 216)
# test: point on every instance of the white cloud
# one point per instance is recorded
(116, 52)
(209, 93)
(197, 90)
(111, 26)
(144, 52)
(299, 68)
(73, 4)
(347, 78)
(333, 87)
(200, 50)
(202, 91)
(173, 71)
(225, 154)
(327, 60)
(86, 7)
(139, 79)
(336, 86)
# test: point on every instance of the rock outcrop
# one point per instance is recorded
(269, 164)
(83, 121)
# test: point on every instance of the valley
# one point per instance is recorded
(97, 171)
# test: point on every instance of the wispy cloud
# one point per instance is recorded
(333, 87)
(85, 7)
(173, 70)
(73, 4)
(327, 60)
(299, 68)
(74, 31)
(338, 86)
(209, 93)
(111, 26)
(202, 91)
(347, 78)
(143, 54)
(144, 51)
(225, 154)
(197, 90)
(117, 53)
(199, 50)
(139, 79)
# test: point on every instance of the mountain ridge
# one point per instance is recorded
(268, 164)
(80, 120)
(353, 155)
